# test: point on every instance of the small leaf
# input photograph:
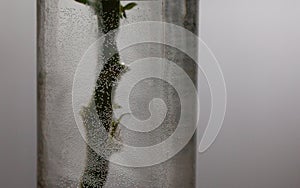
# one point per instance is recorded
(129, 6)
(87, 2)
(121, 8)
(82, 1)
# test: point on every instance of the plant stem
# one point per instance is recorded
(96, 168)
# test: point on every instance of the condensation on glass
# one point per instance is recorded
(66, 29)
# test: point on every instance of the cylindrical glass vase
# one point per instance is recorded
(116, 101)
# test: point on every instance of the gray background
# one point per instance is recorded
(258, 45)
(17, 94)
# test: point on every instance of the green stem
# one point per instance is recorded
(96, 168)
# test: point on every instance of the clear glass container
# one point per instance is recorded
(83, 71)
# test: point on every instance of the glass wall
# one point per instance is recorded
(91, 110)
